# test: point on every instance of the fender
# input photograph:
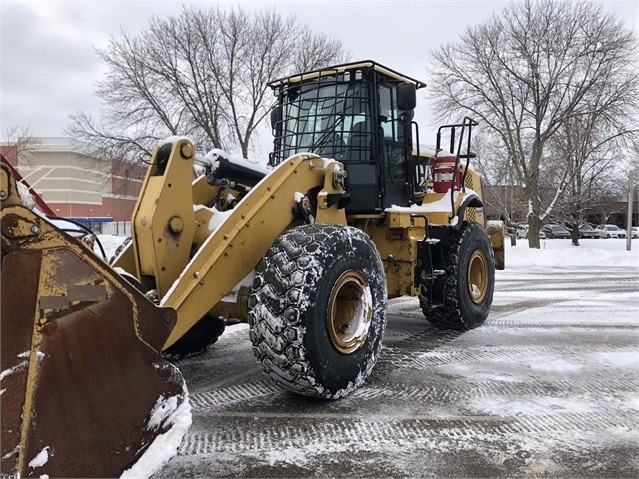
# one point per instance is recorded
(471, 200)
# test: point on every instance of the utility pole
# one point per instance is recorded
(629, 218)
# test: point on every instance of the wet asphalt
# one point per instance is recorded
(547, 387)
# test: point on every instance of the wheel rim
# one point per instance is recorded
(350, 310)
(477, 280)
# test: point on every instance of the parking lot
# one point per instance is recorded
(547, 387)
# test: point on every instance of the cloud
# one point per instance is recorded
(49, 66)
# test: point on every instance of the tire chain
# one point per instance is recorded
(449, 316)
(275, 343)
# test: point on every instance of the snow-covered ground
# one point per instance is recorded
(560, 252)
(556, 261)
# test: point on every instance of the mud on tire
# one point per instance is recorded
(470, 281)
(317, 310)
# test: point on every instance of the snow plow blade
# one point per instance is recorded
(84, 388)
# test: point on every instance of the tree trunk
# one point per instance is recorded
(575, 233)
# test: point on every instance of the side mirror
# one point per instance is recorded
(406, 96)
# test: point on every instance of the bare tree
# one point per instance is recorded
(19, 145)
(202, 74)
(531, 69)
(590, 149)
(495, 167)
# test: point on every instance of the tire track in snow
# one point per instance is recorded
(442, 392)
(407, 359)
(274, 432)
(461, 392)
(497, 311)
(542, 323)
(232, 394)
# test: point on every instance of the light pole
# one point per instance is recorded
(629, 217)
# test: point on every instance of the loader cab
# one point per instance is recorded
(361, 115)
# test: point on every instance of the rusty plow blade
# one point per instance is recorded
(84, 388)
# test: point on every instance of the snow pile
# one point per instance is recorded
(561, 252)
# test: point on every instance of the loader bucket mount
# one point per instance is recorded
(84, 388)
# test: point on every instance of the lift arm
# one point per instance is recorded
(192, 275)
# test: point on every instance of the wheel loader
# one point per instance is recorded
(350, 211)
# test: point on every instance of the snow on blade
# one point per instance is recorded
(41, 459)
(17, 368)
(13, 452)
(168, 413)
(21, 366)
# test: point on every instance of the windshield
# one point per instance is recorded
(322, 119)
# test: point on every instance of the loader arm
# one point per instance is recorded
(191, 274)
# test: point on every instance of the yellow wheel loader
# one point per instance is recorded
(349, 211)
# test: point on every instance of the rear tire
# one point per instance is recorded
(317, 310)
(196, 340)
(470, 281)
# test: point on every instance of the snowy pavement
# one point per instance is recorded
(548, 386)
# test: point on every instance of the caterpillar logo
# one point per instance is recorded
(75, 293)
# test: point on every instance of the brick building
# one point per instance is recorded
(76, 186)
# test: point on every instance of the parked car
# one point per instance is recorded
(634, 231)
(610, 231)
(587, 231)
(556, 231)
(522, 232)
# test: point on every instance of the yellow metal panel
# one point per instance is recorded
(164, 221)
(398, 248)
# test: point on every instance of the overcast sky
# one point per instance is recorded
(49, 67)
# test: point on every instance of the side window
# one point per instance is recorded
(359, 124)
(388, 112)
(394, 154)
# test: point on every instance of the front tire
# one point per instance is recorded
(470, 281)
(317, 310)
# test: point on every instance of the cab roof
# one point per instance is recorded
(338, 69)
